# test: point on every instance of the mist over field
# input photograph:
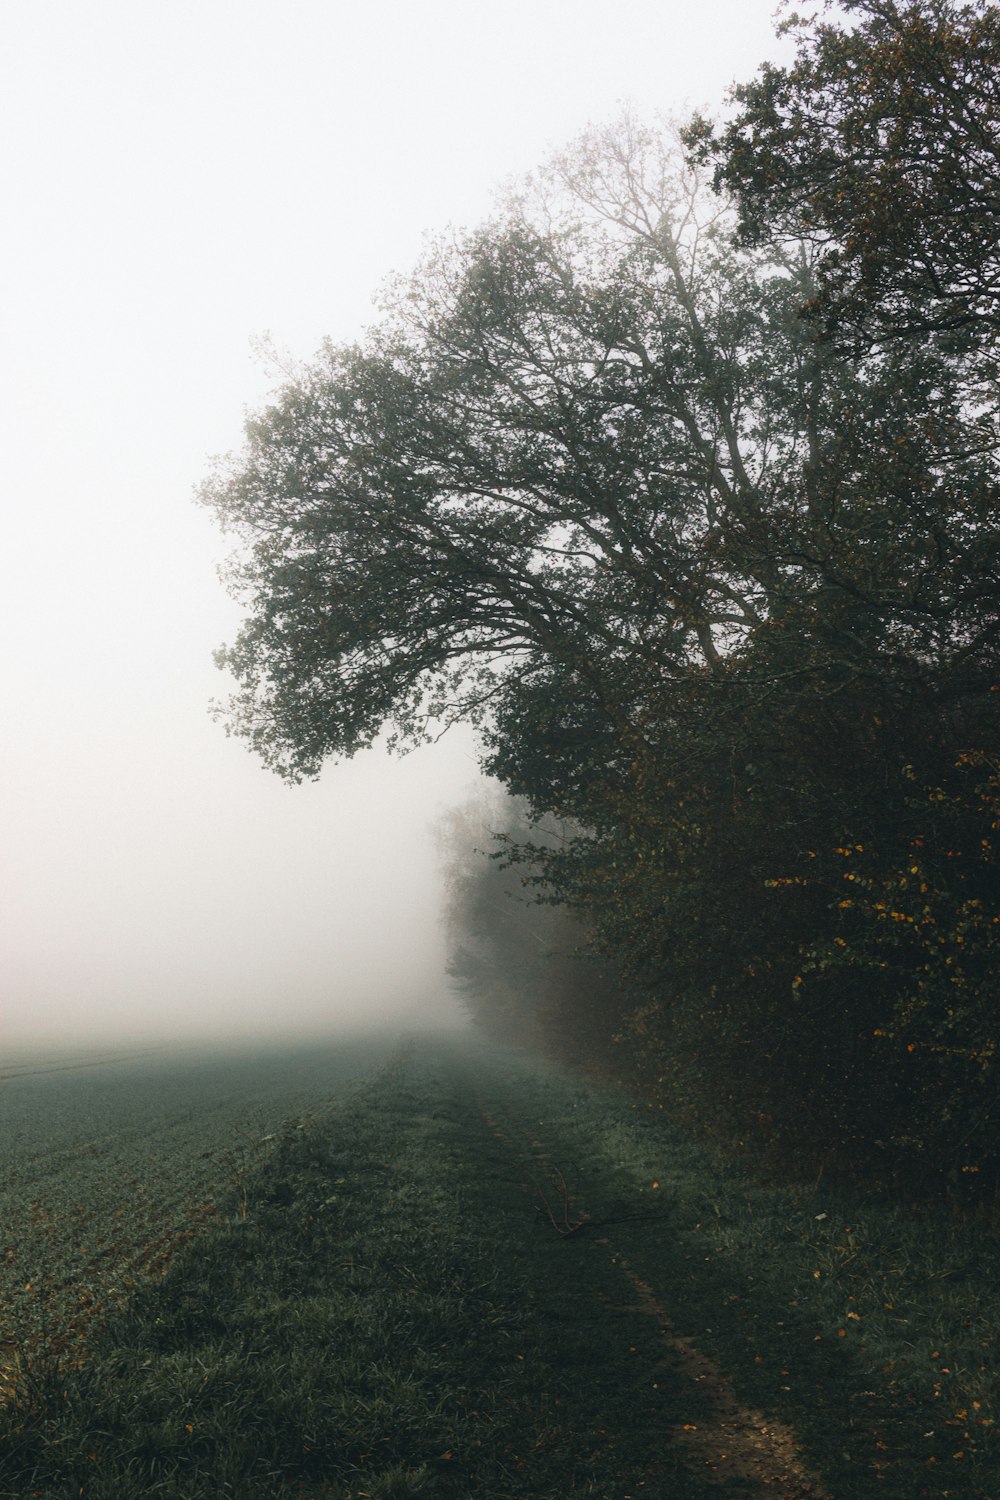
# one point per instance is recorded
(182, 185)
(233, 908)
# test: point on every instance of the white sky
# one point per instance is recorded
(176, 179)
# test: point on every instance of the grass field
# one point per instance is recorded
(110, 1161)
(471, 1277)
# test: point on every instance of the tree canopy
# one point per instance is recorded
(552, 457)
(880, 145)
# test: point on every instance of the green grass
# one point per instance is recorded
(867, 1325)
(391, 1317)
(108, 1163)
(390, 1311)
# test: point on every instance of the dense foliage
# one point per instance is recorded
(881, 145)
(718, 588)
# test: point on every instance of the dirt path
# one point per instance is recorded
(751, 1455)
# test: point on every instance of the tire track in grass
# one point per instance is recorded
(733, 1442)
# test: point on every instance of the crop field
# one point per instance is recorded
(109, 1162)
(446, 1271)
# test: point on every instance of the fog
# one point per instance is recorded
(179, 180)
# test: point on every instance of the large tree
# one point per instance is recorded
(551, 460)
(721, 591)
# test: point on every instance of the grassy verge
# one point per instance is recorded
(868, 1326)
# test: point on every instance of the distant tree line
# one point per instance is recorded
(522, 961)
(678, 479)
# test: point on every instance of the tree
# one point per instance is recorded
(550, 460)
(589, 455)
(521, 966)
(880, 146)
(720, 591)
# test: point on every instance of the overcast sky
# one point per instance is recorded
(179, 178)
